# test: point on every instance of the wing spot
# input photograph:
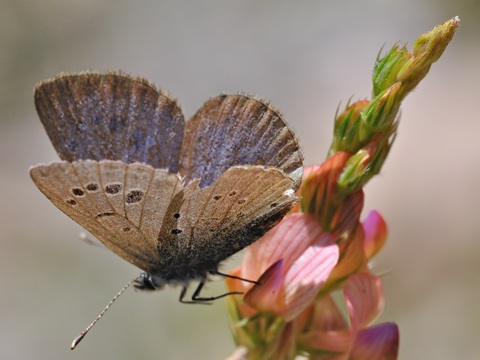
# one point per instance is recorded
(232, 193)
(92, 187)
(113, 189)
(176, 231)
(241, 201)
(108, 213)
(134, 196)
(176, 215)
(71, 202)
(217, 197)
(78, 192)
(126, 229)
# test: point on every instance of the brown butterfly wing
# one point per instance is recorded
(231, 130)
(90, 116)
(217, 221)
(122, 205)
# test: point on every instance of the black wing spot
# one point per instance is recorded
(176, 231)
(134, 196)
(126, 229)
(113, 189)
(176, 215)
(232, 193)
(92, 187)
(71, 202)
(78, 192)
(217, 197)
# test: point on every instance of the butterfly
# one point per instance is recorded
(173, 198)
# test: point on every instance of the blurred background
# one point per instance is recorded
(304, 56)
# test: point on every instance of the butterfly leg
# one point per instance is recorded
(197, 299)
(234, 277)
(184, 291)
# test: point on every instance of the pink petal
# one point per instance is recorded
(378, 342)
(336, 342)
(375, 229)
(364, 299)
(308, 273)
(319, 187)
(348, 215)
(310, 169)
(264, 297)
(285, 241)
(352, 258)
(327, 316)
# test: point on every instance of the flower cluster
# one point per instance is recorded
(322, 249)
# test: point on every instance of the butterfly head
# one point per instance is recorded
(146, 282)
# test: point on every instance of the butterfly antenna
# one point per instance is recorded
(84, 332)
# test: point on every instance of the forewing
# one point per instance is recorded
(123, 205)
(231, 130)
(110, 116)
(241, 206)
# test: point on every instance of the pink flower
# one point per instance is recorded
(293, 262)
(338, 212)
(328, 332)
(362, 244)
(375, 229)
(298, 264)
